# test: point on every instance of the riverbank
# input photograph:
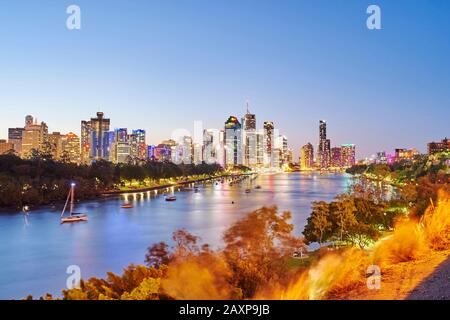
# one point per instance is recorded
(175, 184)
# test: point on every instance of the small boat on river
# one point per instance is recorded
(73, 217)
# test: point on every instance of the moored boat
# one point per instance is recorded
(73, 217)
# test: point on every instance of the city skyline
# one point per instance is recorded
(165, 66)
(248, 133)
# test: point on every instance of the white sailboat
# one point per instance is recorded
(74, 217)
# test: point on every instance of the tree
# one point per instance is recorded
(344, 214)
(157, 255)
(319, 225)
(257, 246)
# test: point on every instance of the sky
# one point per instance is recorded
(161, 65)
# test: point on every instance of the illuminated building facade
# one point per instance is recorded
(348, 155)
(163, 152)
(324, 150)
(85, 142)
(269, 129)
(55, 141)
(210, 145)
(35, 137)
(437, 147)
(233, 142)
(249, 138)
(15, 137)
(71, 148)
(406, 154)
(138, 146)
(336, 159)
(307, 157)
(260, 149)
(99, 139)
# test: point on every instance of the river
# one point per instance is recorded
(36, 251)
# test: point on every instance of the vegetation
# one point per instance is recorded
(361, 217)
(350, 219)
(41, 180)
(400, 172)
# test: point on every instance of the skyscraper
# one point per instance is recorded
(348, 155)
(211, 146)
(336, 158)
(55, 140)
(35, 137)
(233, 142)
(249, 138)
(71, 148)
(260, 148)
(281, 143)
(120, 148)
(138, 146)
(268, 143)
(324, 150)
(99, 137)
(86, 139)
(15, 136)
(307, 157)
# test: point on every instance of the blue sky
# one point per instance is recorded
(161, 65)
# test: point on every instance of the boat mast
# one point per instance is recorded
(65, 206)
(72, 196)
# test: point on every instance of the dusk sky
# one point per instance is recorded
(161, 65)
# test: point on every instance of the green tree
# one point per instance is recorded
(319, 226)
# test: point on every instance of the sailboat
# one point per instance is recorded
(74, 217)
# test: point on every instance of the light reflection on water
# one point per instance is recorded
(35, 253)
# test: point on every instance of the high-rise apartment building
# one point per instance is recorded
(15, 136)
(100, 137)
(55, 141)
(307, 157)
(34, 138)
(138, 144)
(95, 139)
(86, 141)
(348, 155)
(324, 150)
(336, 157)
(269, 131)
(71, 148)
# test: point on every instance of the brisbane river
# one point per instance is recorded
(36, 251)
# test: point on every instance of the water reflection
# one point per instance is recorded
(34, 258)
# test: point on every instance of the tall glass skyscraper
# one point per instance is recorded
(249, 138)
(269, 140)
(233, 142)
(324, 150)
(95, 139)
